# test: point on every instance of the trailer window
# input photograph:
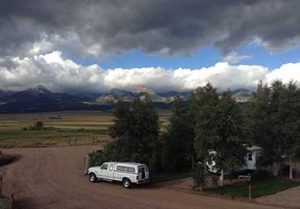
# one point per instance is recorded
(250, 157)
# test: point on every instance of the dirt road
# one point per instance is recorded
(287, 198)
(52, 178)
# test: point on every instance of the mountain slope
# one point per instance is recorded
(113, 95)
(39, 99)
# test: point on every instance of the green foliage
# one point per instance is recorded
(38, 125)
(274, 120)
(259, 188)
(199, 176)
(136, 130)
(171, 175)
(178, 140)
(218, 127)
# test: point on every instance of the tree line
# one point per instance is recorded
(209, 121)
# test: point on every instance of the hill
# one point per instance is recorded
(41, 99)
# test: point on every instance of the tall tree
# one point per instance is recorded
(178, 152)
(275, 121)
(218, 128)
(136, 130)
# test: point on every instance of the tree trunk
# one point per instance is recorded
(221, 182)
(291, 169)
(275, 169)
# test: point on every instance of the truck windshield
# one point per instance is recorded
(104, 166)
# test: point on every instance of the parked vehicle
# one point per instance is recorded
(126, 172)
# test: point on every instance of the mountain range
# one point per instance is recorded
(41, 99)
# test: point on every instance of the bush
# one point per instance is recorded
(39, 125)
(96, 159)
(199, 177)
(285, 170)
(108, 154)
(261, 175)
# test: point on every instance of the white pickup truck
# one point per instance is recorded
(125, 172)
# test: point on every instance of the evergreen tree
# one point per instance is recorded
(275, 122)
(178, 149)
(218, 128)
(136, 131)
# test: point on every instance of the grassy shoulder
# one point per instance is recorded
(169, 176)
(259, 188)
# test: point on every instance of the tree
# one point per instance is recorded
(178, 151)
(275, 122)
(136, 130)
(199, 176)
(218, 128)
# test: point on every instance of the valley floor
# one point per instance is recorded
(53, 178)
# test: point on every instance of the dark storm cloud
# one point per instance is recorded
(103, 27)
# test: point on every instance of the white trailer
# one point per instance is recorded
(250, 160)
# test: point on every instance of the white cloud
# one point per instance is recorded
(287, 72)
(234, 57)
(60, 74)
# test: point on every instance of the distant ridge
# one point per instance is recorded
(41, 99)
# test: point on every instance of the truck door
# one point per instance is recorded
(110, 173)
(103, 173)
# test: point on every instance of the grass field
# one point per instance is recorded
(60, 128)
(259, 188)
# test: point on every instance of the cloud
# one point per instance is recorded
(104, 27)
(61, 74)
(233, 57)
(52, 71)
(286, 73)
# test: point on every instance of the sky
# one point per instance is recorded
(96, 45)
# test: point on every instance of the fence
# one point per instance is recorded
(5, 202)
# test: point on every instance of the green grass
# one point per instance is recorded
(168, 176)
(259, 188)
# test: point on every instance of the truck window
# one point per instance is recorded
(111, 166)
(119, 168)
(130, 170)
(125, 169)
(104, 166)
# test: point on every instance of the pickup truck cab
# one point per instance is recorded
(126, 172)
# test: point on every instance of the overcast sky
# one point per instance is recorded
(95, 45)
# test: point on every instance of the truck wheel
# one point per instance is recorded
(126, 183)
(92, 177)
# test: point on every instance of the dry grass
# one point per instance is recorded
(73, 128)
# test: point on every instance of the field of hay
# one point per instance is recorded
(60, 128)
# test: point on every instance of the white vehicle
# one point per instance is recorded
(126, 172)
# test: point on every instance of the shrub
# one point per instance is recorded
(39, 125)
(261, 175)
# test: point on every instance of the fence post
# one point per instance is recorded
(249, 185)
(1, 181)
(85, 165)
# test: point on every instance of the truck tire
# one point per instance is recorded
(92, 178)
(126, 183)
